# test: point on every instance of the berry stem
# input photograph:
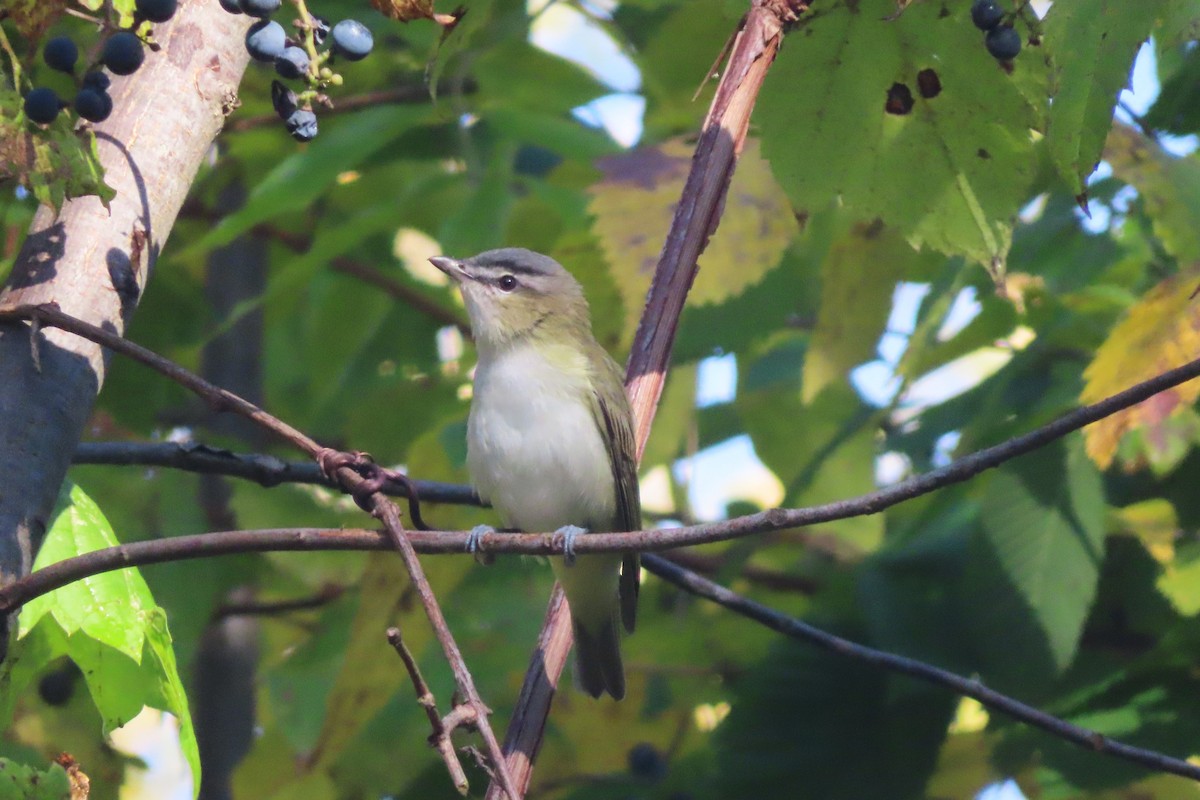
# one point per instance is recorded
(12, 57)
(310, 40)
(74, 12)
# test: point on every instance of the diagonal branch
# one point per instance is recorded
(721, 137)
(553, 644)
(265, 470)
(797, 629)
(366, 491)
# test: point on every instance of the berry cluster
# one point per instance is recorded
(1001, 40)
(300, 59)
(122, 54)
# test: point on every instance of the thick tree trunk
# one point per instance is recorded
(94, 262)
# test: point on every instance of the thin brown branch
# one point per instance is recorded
(370, 275)
(406, 94)
(712, 563)
(270, 608)
(969, 687)
(556, 647)
(387, 512)
(300, 243)
(434, 542)
(724, 130)
(363, 489)
(553, 646)
(440, 738)
(400, 291)
(266, 470)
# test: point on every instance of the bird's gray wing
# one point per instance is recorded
(616, 419)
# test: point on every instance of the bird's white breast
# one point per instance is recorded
(533, 446)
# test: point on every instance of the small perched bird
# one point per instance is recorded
(550, 438)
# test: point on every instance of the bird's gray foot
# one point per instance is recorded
(474, 538)
(567, 535)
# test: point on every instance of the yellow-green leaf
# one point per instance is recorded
(635, 200)
(1160, 332)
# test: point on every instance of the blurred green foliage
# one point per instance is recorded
(1065, 580)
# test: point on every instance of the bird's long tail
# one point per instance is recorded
(598, 667)
(591, 584)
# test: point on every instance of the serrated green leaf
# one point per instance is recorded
(854, 713)
(951, 172)
(634, 203)
(1033, 568)
(109, 607)
(109, 625)
(1094, 42)
(1169, 188)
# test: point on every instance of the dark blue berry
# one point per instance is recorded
(292, 63)
(123, 53)
(61, 54)
(646, 762)
(96, 80)
(156, 10)
(42, 105)
(986, 14)
(93, 105)
(232, 6)
(1003, 43)
(302, 125)
(259, 8)
(284, 100)
(352, 40)
(266, 40)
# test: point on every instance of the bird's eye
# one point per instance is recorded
(507, 283)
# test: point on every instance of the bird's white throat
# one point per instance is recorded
(533, 444)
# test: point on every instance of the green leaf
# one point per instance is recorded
(852, 713)
(1094, 42)
(949, 174)
(1034, 565)
(54, 162)
(1169, 188)
(858, 278)
(23, 782)
(109, 625)
(1179, 23)
(1177, 109)
(634, 203)
(518, 75)
(307, 174)
(108, 607)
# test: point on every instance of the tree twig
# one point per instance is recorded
(266, 470)
(552, 646)
(404, 94)
(270, 608)
(440, 738)
(361, 488)
(724, 130)
(797, 629)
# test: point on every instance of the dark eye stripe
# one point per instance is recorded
(509, 266)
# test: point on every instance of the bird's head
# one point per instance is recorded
(513, 293)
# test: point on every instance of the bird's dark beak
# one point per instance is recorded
(451, 266)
